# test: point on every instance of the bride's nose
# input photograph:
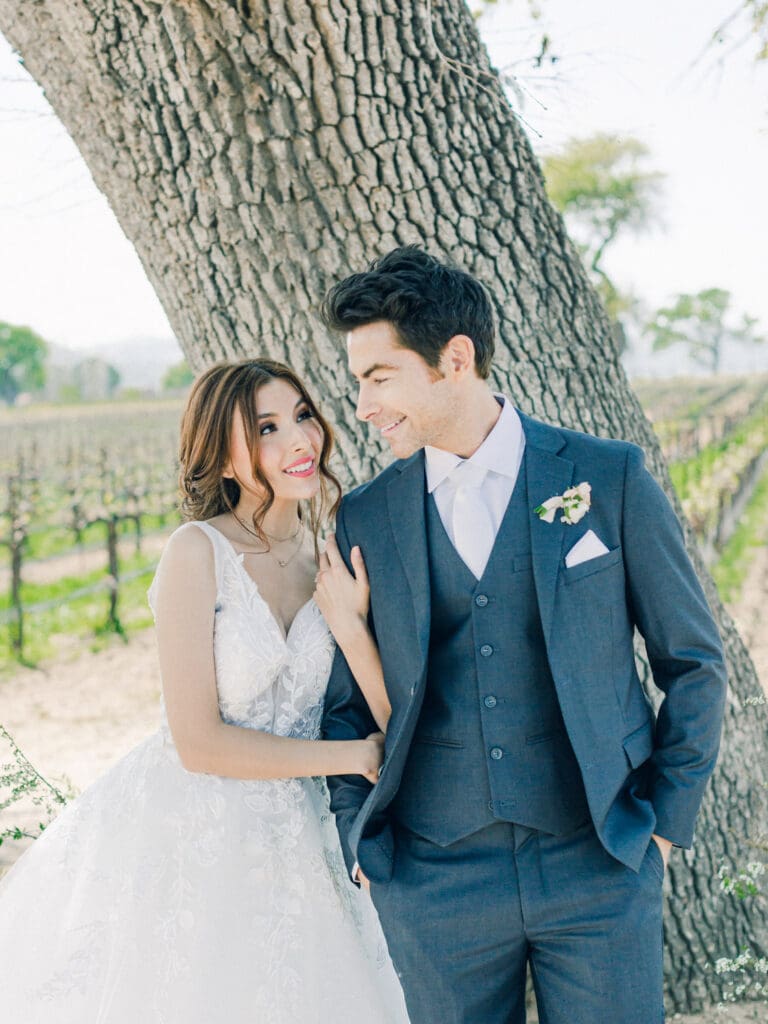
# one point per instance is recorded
(298, 440)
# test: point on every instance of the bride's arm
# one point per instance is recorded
(184, 610)
(343, 599)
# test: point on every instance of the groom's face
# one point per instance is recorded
(400, 395)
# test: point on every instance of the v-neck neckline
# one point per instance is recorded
(238, 556)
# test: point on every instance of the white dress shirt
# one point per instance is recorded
(500, 455)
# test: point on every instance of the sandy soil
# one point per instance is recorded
(76, 717)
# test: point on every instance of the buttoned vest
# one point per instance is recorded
(490, 743)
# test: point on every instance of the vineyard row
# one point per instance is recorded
(100, 477)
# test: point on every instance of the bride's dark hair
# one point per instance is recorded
(206, 439)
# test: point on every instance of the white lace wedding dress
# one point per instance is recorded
(165, 897)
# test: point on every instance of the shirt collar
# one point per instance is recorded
(497, 453)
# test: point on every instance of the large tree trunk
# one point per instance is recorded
(255, 151)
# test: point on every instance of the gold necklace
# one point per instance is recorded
(282, 540)
(282, 562)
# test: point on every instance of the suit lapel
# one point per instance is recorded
(405, 503)
(547, 475)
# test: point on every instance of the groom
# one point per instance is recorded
(529, 797)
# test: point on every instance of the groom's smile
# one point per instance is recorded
(392, 426)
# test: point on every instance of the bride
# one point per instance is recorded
(200, 880)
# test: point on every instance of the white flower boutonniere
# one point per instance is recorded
(575, 503)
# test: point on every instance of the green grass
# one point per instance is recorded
(735, 560)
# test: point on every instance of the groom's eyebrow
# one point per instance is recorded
(374, 369)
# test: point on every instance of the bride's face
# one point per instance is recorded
(290, 443)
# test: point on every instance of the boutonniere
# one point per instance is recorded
(574, 502)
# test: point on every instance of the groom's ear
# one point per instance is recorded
(458, 357)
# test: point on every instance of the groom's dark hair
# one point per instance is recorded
(426, 301)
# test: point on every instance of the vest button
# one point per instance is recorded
(497, 753)
(481, 600)
(486, 650)
(490, 702)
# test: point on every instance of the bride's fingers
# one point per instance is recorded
(332, 551)
(358, 564)
(324, 562)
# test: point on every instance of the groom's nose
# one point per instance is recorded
(365, 408)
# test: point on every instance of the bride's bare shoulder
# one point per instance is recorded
(187, 569)
(188, 542)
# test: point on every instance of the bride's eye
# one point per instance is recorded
(266, 428)
(305, 414)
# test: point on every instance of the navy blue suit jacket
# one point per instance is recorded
(589, 613)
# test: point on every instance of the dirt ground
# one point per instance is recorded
(77, 716)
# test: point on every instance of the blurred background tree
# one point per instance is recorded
(600, 186)
(178, 377)
(22, 358)
(746, 25)
(699, 322)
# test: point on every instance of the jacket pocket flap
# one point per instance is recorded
(592, 565)
(638, 746)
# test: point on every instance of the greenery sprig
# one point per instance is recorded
(19, 779)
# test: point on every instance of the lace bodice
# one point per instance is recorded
(264, 680)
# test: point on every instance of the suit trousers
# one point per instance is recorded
(463, 922)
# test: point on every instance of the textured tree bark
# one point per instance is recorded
(254, 151)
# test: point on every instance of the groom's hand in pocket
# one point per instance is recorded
(664, 845)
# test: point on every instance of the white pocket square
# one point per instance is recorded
(588, 546)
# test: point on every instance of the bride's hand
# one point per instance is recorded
(374, 756)
(343, 598)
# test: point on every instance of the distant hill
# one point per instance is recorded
(141, 361)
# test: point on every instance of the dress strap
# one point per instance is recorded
(221, 551)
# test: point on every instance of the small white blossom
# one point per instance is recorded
(575, 503)
(550, 506)
(581, 491)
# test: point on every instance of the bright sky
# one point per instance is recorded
(633, 69)
(67, 270)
